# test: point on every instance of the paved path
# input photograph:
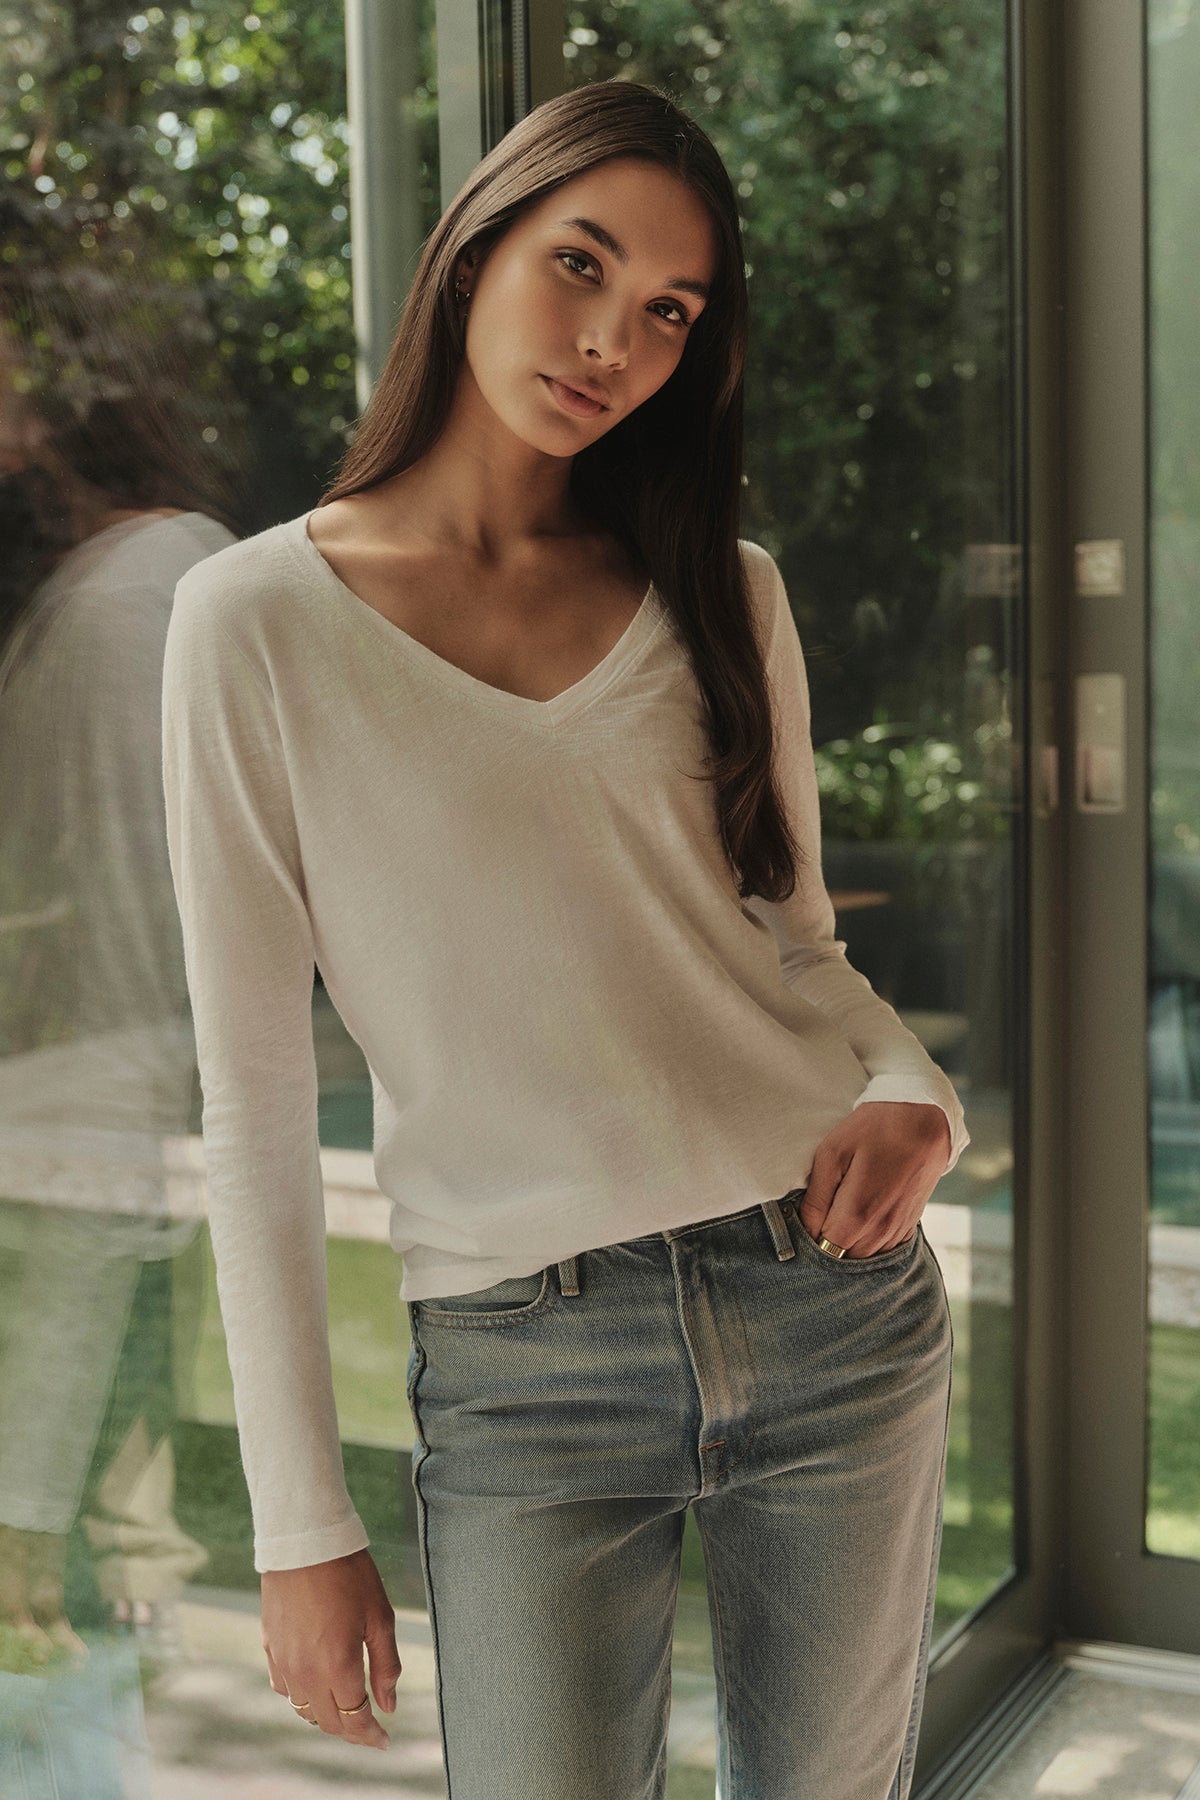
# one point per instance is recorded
(214, 1728)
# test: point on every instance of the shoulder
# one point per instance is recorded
(244, 592)
(762, 572)
(134, 566)
(768, 595)
(241, 574)
(759, 564)
(155, 552)
(109, 600)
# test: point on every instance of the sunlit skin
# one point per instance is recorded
(872, 1175)
(489, 499)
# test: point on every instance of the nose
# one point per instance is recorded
(606, 335)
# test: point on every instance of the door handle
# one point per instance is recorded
(1100, 743)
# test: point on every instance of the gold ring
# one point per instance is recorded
(831, 1249)
(347, 1711)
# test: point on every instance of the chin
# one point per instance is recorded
(554, 443)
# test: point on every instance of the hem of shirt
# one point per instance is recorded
(443, 1280)
(300, 1549)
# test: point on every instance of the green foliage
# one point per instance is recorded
(1173, 1472)
(891, 785)
(212, 141)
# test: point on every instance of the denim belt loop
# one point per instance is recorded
(773, 1214)
(568, 1275)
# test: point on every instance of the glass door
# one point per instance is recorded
(879, 157)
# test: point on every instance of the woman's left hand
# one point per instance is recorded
(872, 1175)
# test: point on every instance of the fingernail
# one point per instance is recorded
(389, 1699)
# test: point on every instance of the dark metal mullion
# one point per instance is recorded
(497, 64)
(1003, 1655)
(497, 60)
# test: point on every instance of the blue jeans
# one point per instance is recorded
(566, 1419)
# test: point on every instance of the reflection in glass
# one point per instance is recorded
(871, 153)
(177, 367)
(1173, 1442)
(107, 496)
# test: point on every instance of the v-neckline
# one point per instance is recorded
(636, 637)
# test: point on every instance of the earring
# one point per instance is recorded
(459, 295)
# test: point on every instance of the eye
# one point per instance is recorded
(671, 305)
(674, 306)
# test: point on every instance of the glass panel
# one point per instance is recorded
(870, 150)
(177, 370)
(1173, 146)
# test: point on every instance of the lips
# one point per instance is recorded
(573, 400)
(588, 393)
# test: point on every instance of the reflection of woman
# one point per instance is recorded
(105, 506)
(447, 734)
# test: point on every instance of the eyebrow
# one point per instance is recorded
(608, 242)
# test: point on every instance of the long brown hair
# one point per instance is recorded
(666, 480)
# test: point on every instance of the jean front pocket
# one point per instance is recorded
(416, 1358)
(895, 1256)
(508, 1302)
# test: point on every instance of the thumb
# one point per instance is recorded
(813, 1211)
(383, 1657)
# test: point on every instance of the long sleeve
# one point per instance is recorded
(248, 949)
(812, 960)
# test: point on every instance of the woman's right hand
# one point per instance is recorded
(315, 1623)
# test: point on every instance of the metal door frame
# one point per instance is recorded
(1115, 1589)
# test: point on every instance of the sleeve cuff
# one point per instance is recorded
(907, 1087)
(300, 1549)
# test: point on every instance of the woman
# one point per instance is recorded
(510, 735)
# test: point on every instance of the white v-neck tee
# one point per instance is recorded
(577, 1031)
